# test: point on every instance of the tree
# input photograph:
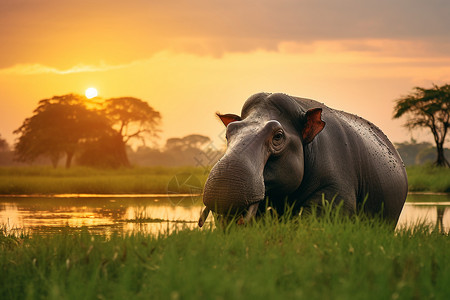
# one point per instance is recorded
(132, 118)
(429, 108)
(189, 142)
(192, 149)
(108, 151)
(58, 126)
(3, 144)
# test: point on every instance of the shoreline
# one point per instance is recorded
(154, 195)
(143, 195)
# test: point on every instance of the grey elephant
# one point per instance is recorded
(296, 151)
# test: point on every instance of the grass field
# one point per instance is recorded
(153, 180)
(428, 179)
(306, 258)
(81, 180)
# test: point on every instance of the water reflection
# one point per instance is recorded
(159, 214)
(432, 214)
(430, 209)
(151, 215)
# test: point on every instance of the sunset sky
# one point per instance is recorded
(189, 59)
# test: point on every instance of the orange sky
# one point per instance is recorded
(189, 59)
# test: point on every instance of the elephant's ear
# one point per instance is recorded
(313, 125)
(228, 118)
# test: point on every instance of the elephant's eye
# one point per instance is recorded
(278, 138)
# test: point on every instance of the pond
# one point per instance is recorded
(156, 214)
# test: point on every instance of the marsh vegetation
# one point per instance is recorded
(428, 178)
(308, 257)
(84, 180)
(153, 180)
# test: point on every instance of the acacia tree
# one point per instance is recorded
(189, 142)
(428, 108)
(58, 126)
(132, 118)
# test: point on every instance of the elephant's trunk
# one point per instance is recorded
(233, 185)
(236, 182)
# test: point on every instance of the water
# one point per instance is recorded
(433, 209)
(100, 214)
(157, 214)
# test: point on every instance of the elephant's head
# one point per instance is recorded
(264, 154)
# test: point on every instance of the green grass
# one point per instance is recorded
(80, 180)
(308, 258)
(153, 180)
(428, 179)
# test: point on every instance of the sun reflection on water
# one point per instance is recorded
(148, 215)
(153, 215)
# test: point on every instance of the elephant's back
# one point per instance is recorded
(382, 175)
(354, 159)
(361, 156)
(375, 145)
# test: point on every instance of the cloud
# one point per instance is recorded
(63, 33)
(36, 69)
(375, 52)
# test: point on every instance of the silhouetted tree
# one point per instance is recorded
(429, 108)
(132, 118)
(58, 126)
(107, 151)
(5, 154)
(194, 149)
(3, 144)
(196, 141)
(189, 142)
(191, 150)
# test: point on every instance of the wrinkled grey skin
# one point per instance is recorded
(267, 155)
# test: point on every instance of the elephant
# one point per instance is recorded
(296, 151)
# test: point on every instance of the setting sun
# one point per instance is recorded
(91, 93)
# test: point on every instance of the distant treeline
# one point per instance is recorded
(191, 150)
(414, 153)
(199, 150)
